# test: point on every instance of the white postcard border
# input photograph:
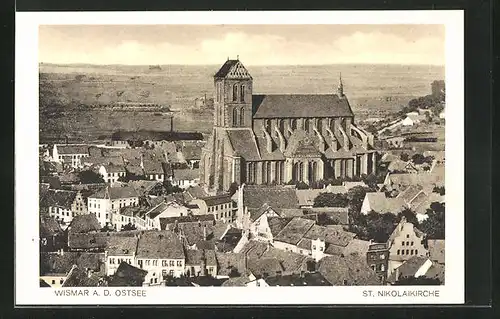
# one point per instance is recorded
(27, 290)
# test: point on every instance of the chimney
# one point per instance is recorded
(171, 123)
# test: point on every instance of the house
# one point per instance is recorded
(143, 187)
(95, 241)
(416, 266)
(185, 178)
(192, 154)
(221, 206)
(79, 277)
(399, 166)
(231, 240)
(51, 234)
(349, 270)
(170, 223)
(109, 201)
(84, 224)
(428, 180)
(127, 275)
(155, 169)
(290, 236)
(377, 258)
(161, 254)
(306, 196)
(200, 235)
(55, 267)
(413, 118)
(120, 250)
(200, 263)
(252, 197)
(63, 205)
(379, 203)
(111, 173)
(196, 192)
(259, 227)
(70, 154)
(405, 242)
(162, 210)
(297, 280)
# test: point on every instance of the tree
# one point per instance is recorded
(418, 159)
(355, 197)
(434, 225)
(90, 177)
(439, 190)
(380, 226)
(409, 215)
(233, 188)
(404, 157)
(169, 188)
(330, 200)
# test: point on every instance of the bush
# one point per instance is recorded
(330, 200)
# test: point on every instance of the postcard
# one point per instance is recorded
(239, 158)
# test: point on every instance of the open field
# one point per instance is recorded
(373, 91)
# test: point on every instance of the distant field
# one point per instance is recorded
(373, 91)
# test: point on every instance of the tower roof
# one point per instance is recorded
(233, 69)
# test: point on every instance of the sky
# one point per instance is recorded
(254, 44)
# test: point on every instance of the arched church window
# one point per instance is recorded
(281, 125)
(242, 93)
(293, 124)
(301, 172)
(306, 125)
(242, 116)
(319, 123)
(269, 180)
(235, 117)
(235, 93)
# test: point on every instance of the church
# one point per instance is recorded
(280, 138)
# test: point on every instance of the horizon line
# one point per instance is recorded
(188, 64)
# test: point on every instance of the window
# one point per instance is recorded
(147, 262)
(398, 252)
(345, 282)
(320, 248)
(242, 116)
(372, 267)
(412, 243)
(111, 260)
(407, 251)
(179, 263)
(242, 94)
(301, 251)
(416, 251)
(156, 280)
(402, 243)
(407, 235)
(314, 247)
(53, 282)
(171, 272)
(382, 267)
(382, 256)
(171, 263)
(402, 251)
(151, 280)
(61, 281)
(155, 262)
(235, 93)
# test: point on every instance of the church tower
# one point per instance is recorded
(233, 96)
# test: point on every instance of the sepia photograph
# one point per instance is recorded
(243, 155)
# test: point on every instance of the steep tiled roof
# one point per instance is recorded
(143, 187)
(357, 247)
(349, 270)
(78, 277)
(196, 192)
(408, 268)
(276, 224)
(192, 152)
(111, 168)
(340, 214)
(72, 149)
(306, 196)
(436, 250)
(116, 192)
(330, 235)
(264, 267)
(294, 230)
(160, 244)
(152, 166)
(308, 279)
(276, 197)
(291, 262)
(227, 261)
(256, 213)
(204, 219)
(56, 263)
(240, 281)
(127, 276)
(217, 199)
(84, 223)
(300, 106)
(49, 227)
(232, 68)
(186, 174)
(121, 246)
(381, 204)
(193, 257)
(95, 240)
(244, 144)
(58, 198)
(410, 192)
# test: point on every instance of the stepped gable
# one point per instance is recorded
(300, 106)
